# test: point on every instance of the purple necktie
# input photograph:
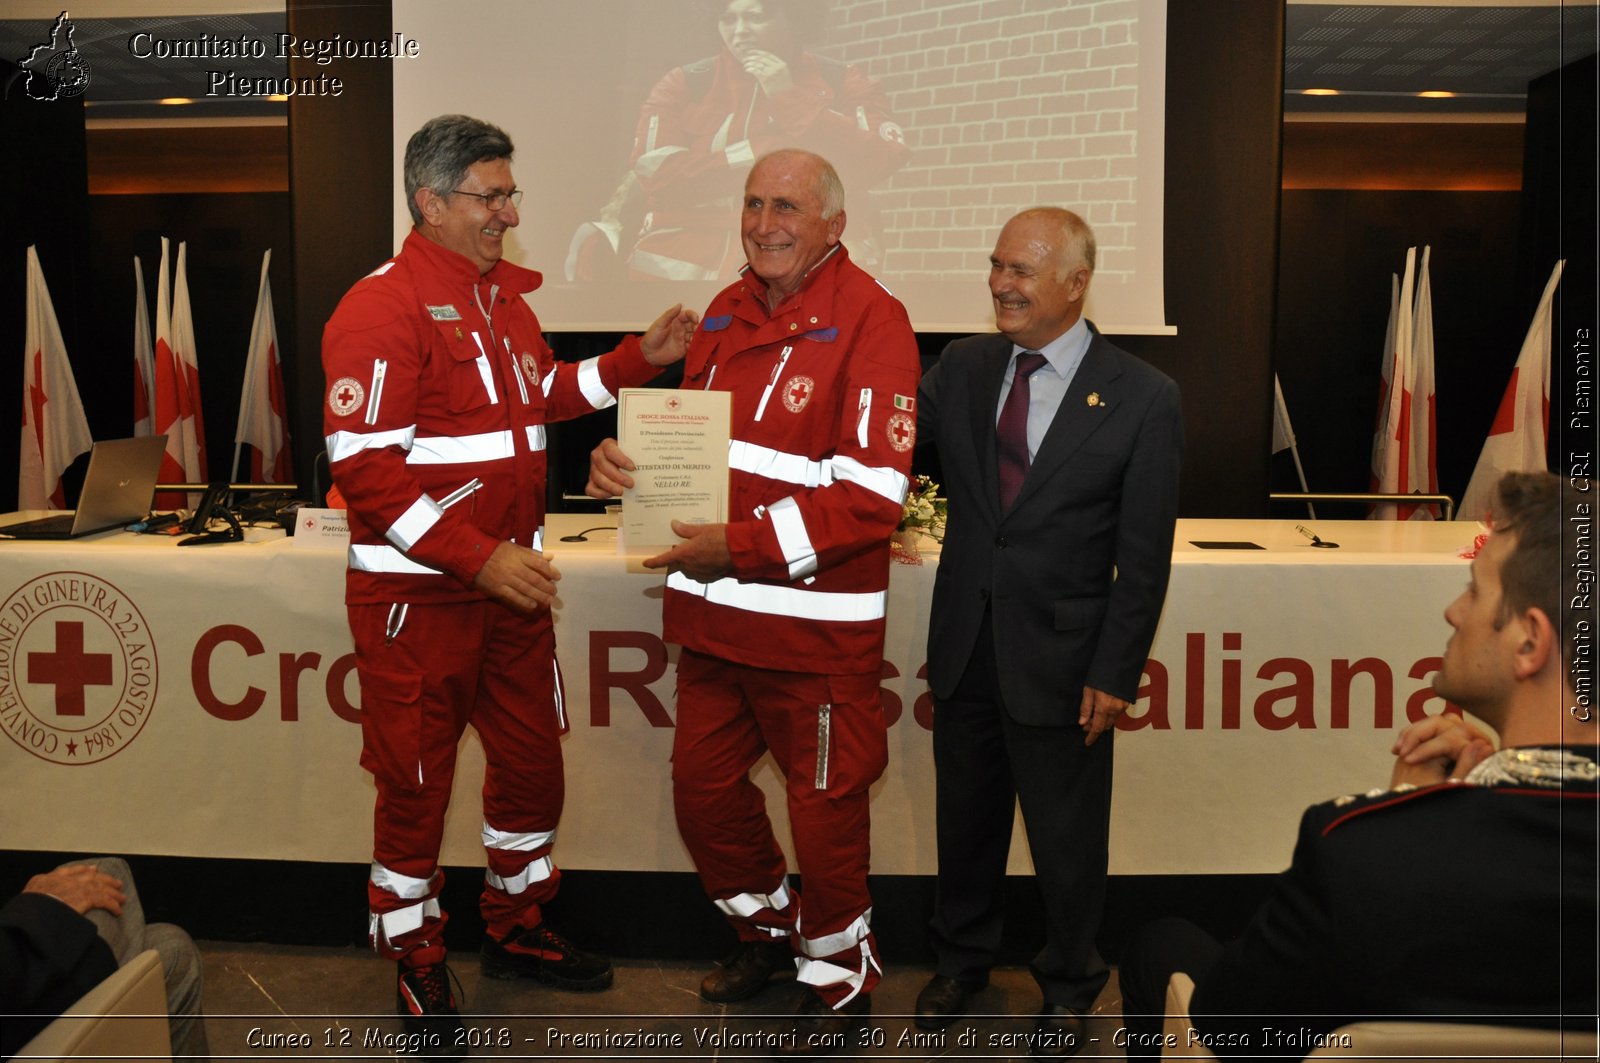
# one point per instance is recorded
(1011, 431)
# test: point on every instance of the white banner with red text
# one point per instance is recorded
(203, 701)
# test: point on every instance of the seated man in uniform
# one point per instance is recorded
(1468, 890)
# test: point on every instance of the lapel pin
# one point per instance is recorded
(1094, 398)
(459, 334)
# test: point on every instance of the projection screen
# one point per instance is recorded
(635, 122)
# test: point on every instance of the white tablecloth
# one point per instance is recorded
(201, 701)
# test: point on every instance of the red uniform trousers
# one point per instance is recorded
(448, 665)
(828, 736)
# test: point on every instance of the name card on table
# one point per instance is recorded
(321, 528)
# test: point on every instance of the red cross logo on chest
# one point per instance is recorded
(797, 392)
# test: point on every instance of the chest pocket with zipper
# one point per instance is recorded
(469, 380)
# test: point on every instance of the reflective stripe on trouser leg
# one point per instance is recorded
(405, 915)
(841, 965)
(507, 848)
(519, 720)
(721, 814)
(761, 911)
(831, 825)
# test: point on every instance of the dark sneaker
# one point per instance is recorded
(545, 956)
(818, 1029)
(748, 970)
(428, 1007)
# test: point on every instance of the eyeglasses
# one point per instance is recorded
(493, 200)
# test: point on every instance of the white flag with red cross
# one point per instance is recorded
(54, 428)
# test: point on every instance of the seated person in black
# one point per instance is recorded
(1467, 891)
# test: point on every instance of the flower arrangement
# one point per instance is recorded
(924, 510)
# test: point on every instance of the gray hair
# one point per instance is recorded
(439, 154)
(828, 187)
(1077, 239)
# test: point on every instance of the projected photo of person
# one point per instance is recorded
(673, 215)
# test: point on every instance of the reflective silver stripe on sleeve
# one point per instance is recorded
(561, 690)
(589, 382)
(536, 437)
(861, 118)
(745, 905)
(772, 464)
(890, 483)
(485, 371)
(793, 539)
(380, 369)
(386, 560)
(672, 269)
(414, 523)
(517, 841)
(719, 139)
(342, 445)
(456, 450)
(651, 161)
(785, 601)
(537, 871)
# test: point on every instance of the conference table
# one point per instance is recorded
(202, 701)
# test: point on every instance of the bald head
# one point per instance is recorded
(1071, 238)
(1039, 275)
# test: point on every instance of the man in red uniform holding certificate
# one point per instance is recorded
(780, 611)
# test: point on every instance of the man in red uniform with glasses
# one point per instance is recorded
(439, 389)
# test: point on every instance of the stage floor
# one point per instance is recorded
(257, 992)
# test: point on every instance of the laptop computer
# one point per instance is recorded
(117, 489)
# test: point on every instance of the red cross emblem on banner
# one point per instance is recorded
(69, 668)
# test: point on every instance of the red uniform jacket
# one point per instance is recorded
(823, 424)
(439, 388)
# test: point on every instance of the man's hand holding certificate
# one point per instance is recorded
(671, 468)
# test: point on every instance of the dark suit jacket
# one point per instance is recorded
(49, 957)
(1452, 901)
(1100, 498)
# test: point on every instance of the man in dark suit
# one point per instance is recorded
(1060, 457)
(1465, 892)
(70, 929)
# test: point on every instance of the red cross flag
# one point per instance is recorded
(54, 429)
(262, 426)
(177, 386)
(1391, 440)
(1517, 439)
(1422, 447)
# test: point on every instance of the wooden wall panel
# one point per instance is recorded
(164, 160)
(1445, 156)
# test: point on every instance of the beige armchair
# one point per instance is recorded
(1435, 1042)
(122, 1018)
